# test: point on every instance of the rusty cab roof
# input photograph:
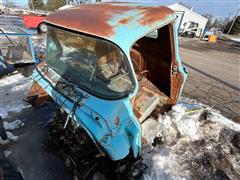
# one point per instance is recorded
(121, 23)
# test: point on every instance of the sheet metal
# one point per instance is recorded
(112, 21)
(123, 24)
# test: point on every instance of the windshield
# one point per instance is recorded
(95, 65)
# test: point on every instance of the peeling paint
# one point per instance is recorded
(96, 19)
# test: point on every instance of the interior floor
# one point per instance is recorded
(147, 99)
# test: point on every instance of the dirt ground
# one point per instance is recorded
(214, 74)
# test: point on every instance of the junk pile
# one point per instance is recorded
(16, 49)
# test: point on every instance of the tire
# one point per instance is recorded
(192, 35)
(185, 34)
(42, 27)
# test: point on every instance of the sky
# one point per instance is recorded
(218, 8)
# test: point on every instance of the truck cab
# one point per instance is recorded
(109, 66)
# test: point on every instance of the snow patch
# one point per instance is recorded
(3, 142)
(13, 89)
(193, 134)
(6, 153)
(218, 118)
(150, 129)
(13, 125)
(11, 136)
(3, 113)
(19, 87)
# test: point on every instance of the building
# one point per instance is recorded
(187, 18)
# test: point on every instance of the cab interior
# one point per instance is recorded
(152, 57)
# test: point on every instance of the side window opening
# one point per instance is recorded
(152, 56)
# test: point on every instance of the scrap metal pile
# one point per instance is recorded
(16, 47)
(82, 157)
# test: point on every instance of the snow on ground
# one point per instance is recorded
(236, 39)
(198, 143)
(13, 89)
(6, 153)
(13, 125)
(9, 126)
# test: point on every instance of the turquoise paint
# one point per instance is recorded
(178, 58)
(14, 34)
(120, 138)
(125, 39)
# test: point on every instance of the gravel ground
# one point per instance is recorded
(214, 74)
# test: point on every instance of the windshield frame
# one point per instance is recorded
(125, 59)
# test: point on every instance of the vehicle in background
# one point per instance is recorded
(209, 33)
(34, 22)
(191, 30)
(108, 71)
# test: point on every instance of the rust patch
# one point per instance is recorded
(94, 18)
(176, 85)
(146, 99)
(125, 20)
(90, 18)
(37, 95)
(154, 14)
(138, 59)
(160, 110)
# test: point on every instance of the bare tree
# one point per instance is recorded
(51, 5)
(36, 4)
(210, 20)
(218, 23)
